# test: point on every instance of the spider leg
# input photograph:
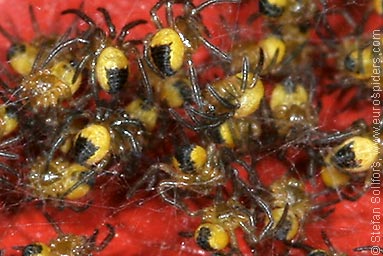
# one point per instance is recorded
(148, 174)
(54, 224)
(169, 13)
(62, 46)
(93, 80)
(154, 15)
(205, 4)
(352, 197)
(136, 147)
(6, 182)
(108, 21)
(249, 229)
(282, 220)
(253, 17)
(272, 62)
(196, 90)
(145, 79)
(35, 24)
(107, 239)
(216, 119)
(81, 15)
(84, 179)
(81, 65)
(163, 190)
(257, 71)
(11, 38)
(10, 141)
(91, 241)
(63, 134)
(75, 208)
(126, 28)
(9, 170)
(215, 50)
(225, 103)
(178, 118)
(327, 242)
(358, 127)
(253, 177)
(263, 205)
(234, 247)
(245, 73)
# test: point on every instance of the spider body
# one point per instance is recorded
(59, 179)
(290, 205)
(110, 134)
(274, 51)
(21, 55)
(106, 55)
(175, 90)
(236, 96)
(68, 244)
(94, 139)
(292, 110)
(193, 169)
(237, 133)
(49, 87)
(219, 223)
(348, 162)
(8, 121)
(166, 50)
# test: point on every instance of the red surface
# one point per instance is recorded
(149, 226)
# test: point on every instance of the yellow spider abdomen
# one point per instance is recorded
(211, 237)
(112, 69)
(189, 158)
(356, 154)
(92, 144)
(21, 58)
(167, 51)
(274, 50)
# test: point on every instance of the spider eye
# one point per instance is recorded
(167, 51)
(211, 237)
(92, 144)
(112, 69)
